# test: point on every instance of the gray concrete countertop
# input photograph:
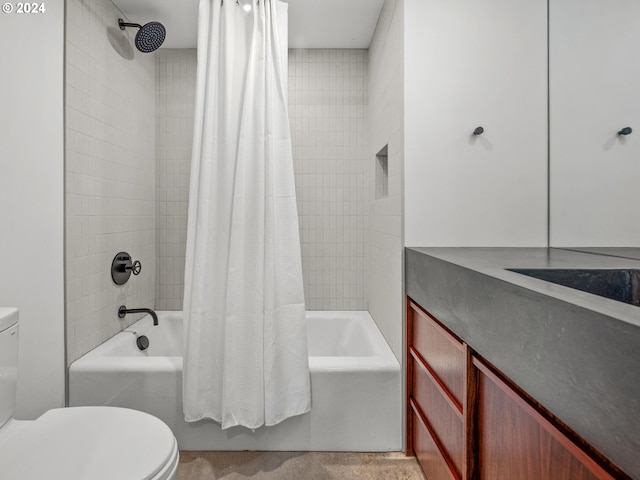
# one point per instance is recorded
(576, 353)
(624, 252)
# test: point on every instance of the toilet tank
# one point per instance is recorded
(8, 362)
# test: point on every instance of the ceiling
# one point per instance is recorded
(312, 23)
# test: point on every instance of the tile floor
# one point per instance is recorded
(297, 466)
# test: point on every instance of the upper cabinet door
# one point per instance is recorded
(469, 64)
(594, 85)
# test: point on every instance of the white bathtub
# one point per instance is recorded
(355, 387)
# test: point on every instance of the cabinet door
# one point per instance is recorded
(593, 95)
(515, 442)
(471, 63)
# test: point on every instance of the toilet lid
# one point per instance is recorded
(91, 443)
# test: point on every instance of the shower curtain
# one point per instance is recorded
(245, 355)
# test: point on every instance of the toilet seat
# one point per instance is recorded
(92, 443)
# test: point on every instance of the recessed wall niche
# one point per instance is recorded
(382, 173)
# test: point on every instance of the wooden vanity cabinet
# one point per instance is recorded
(465, 421)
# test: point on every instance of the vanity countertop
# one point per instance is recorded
(623, 252)
(576, 353)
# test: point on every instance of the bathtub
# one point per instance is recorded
(356, 394)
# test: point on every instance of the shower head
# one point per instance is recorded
(149, 37)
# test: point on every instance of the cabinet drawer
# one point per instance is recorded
(445, 421)
(441, 351)
(432, 463)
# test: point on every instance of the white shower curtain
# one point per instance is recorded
(245, 356)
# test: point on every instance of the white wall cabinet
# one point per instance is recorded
(471, 63)
(594, 80)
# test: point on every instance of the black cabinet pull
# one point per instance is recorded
(625, 131)
(478, 131)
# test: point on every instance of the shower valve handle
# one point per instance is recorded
(135, 267)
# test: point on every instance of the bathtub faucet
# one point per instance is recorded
(122, 311)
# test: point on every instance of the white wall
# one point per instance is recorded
(31, 199)
(386, 106)
(594, 94)
(469, 64)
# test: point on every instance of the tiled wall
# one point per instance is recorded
(110, 172)
(328, 112)
(175, 92)
(118, 199)
(386, 128)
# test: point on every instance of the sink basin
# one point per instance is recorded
(622, 285)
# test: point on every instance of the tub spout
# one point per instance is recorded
(122, 311)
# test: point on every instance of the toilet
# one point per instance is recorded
(78, 443)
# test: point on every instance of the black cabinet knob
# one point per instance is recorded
(478, 131)
(625, 131)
